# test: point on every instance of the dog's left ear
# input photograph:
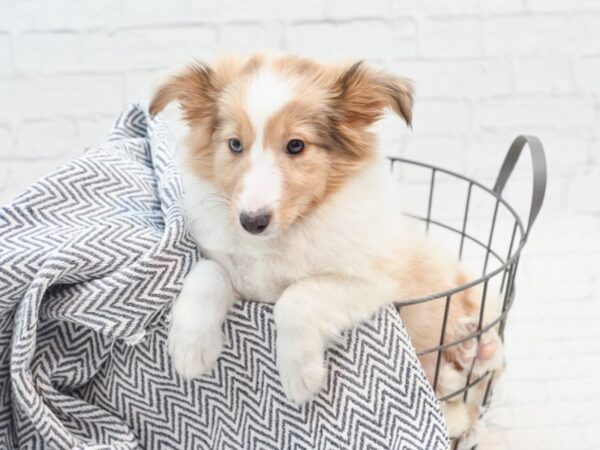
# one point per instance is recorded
(362, 93)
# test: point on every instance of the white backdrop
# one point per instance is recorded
(484, 72)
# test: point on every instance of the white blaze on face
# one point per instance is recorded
(262, 184)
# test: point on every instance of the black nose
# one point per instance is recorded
(255, 223)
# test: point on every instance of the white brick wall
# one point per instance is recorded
(484, 70)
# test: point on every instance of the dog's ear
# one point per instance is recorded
(361, 95)
(196, 88)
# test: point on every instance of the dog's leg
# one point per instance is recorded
(196, 335)
(308, 315)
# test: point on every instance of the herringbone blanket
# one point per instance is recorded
(91, 257)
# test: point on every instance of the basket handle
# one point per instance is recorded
(538, 161)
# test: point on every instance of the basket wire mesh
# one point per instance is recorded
(504, 252)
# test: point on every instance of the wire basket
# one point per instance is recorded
(491, 236)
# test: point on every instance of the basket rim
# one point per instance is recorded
(484, 278)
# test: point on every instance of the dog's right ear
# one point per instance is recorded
(362, 93)
(196, 88)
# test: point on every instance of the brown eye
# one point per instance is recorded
(235, 145)
(295, 146)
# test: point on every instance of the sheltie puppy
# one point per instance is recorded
(291, 203)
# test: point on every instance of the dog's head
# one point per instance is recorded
(278, 134)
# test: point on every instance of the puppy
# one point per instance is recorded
(292, 204)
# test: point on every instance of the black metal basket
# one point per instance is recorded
(499, 245)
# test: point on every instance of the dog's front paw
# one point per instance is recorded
(194, 349)
(302, 372)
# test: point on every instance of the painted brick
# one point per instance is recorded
(354, 9)
(140, 12)
(347, 39)
(562, 6)
(7, 144)
(63, 14)
(258, 10)
(542, 74)
(536, 111)
(438, 7)
(142, 49)
(449, 38)
(60, 52)
(457, 78)
(589, 74)
(5, 55)
(46, 138)
(140, 85)
(251, 37)
(527, 35)
(92, 131)
(66, 94)
(450, 117)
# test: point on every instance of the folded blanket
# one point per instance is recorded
(91, 257)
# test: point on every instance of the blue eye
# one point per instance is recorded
(295, 146)
(235, 145)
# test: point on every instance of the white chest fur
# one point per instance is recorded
(251, 276)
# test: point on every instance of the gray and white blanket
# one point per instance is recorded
(91, 257)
